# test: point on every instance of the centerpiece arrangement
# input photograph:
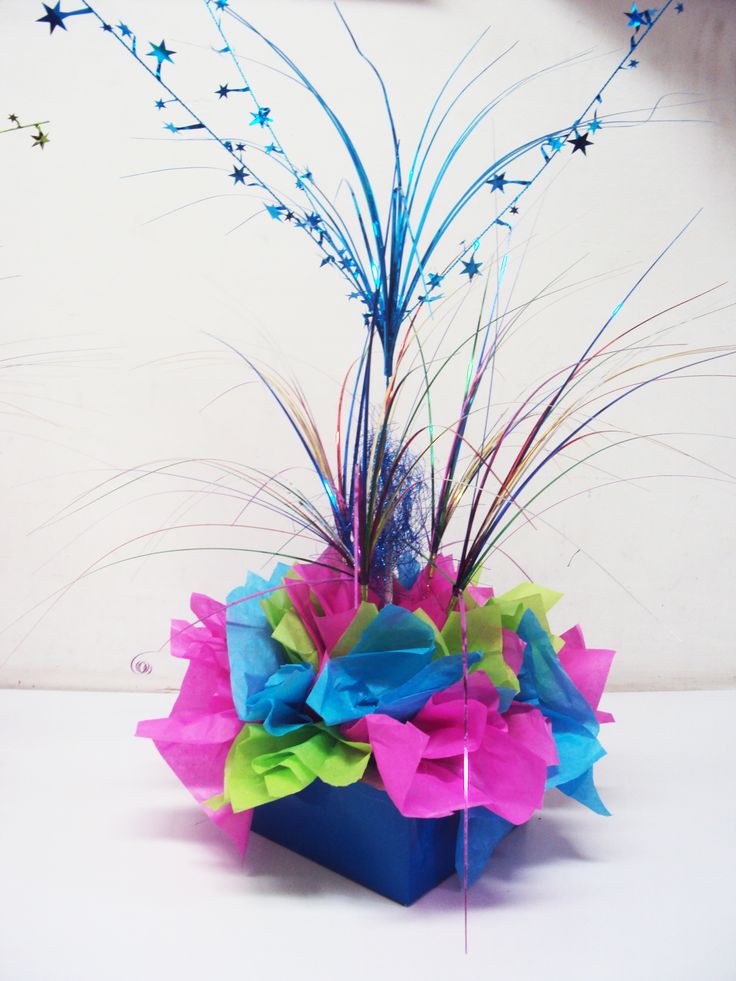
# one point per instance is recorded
(375, 705)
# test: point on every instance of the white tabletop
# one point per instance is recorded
(109, 870)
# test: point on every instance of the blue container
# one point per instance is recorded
(358, 832)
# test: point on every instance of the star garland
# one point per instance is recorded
(386, 264)
(39, 138)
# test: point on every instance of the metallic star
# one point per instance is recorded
(238, 175)
(223, 92)
(171, 128)
(240, 147)
(679, 8)
(581, 143)
(434, 280)
(54, 17)
(14, 119)
(639, 18)
(497, 182)
(107, 27)
(221, 4)
(636, 17)
(40, 138)
(471, 268)
(633, 63)
(514, 210)
(261, 118)
(160, 104)
(161, 53)
(556, 142)
(595, 125)
(125, 30)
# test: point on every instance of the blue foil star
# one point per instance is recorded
(498, 182)
(160, 104)
(633, 63)
(639, 18)
(55, 16)
(125, 30)
(679, 8)
(556, 143)
(636, 17)
(471, 268)
(580, 143)
(161, 53)
(223, 92)
(238, 175)
(595, 125)
(434, 280)
(261, 118)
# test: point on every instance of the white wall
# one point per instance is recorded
(106, 312)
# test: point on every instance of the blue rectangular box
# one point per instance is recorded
(358, 832)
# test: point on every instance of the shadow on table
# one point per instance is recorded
(502, 883)
(280, 872)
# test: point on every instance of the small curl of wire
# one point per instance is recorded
(139, 665)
